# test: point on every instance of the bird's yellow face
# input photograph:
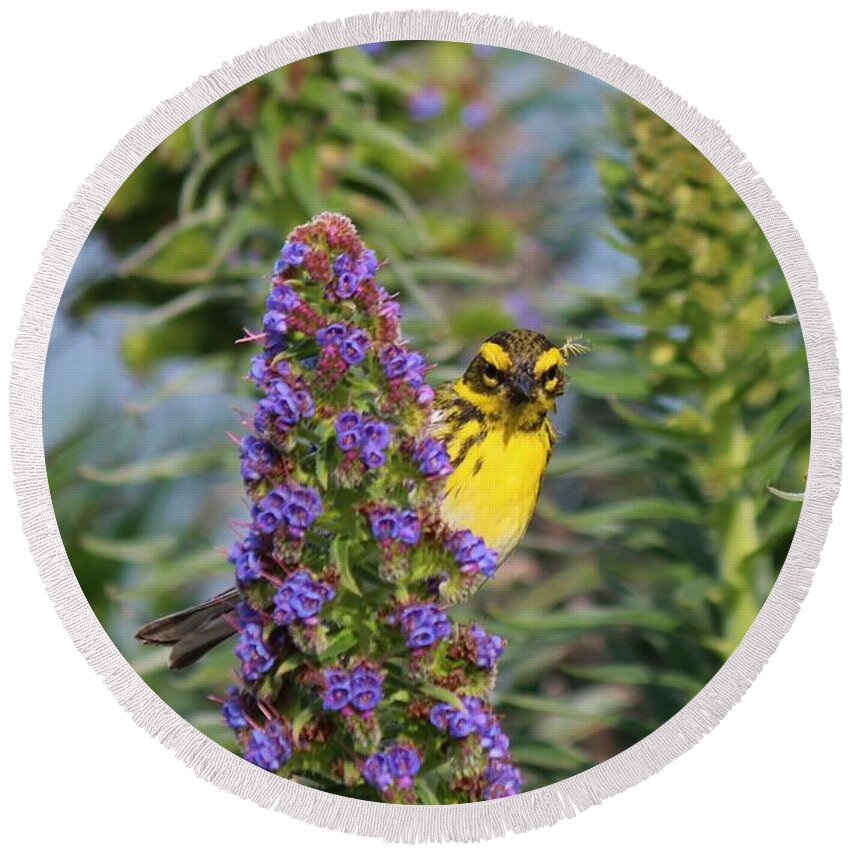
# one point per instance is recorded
(515, 378)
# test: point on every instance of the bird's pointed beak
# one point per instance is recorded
(522, 387)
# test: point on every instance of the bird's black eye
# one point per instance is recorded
(491, 373)
(550, 374)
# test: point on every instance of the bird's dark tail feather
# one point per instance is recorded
(193, 632)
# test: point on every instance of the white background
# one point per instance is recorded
(77, 76)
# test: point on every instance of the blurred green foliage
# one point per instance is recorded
(532, 196)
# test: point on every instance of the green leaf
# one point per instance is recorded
(441, 694)
(146, 550)
(591, 619)
(789, 319)
(339, 557)
(634, 674)
(176, 465)
(785, 495)
(338, 644)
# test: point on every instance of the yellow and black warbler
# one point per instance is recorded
(494, 423)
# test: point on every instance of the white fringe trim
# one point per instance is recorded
(475, 821)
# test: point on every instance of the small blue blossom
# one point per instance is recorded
(410, 529)
(337, 691)
(257, 458)
(257, 658)
(246, 556)
(269, 747)
(377, 771)
(233, 710)
(353, 348)
(476, 114)
(504, 780)
(349, 435)
(424, 625)
(282, 299)
(300, 597)
(472, 554)
(366, 688)
(385, 523)
(404, 762)
(332, 334)
(432, 458)
(488, 647)
(374, 48)
(426, 103)
(294, 253)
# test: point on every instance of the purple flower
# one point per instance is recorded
(300, 597)
(374, 48)
(426, 103)
(373, 457)
(233, 710)
(256, 657)
(376, 434)
(366, 691)
(353, 347)
(259, 368)
(245, 556)
(369, 263)
(332, 334)
(440, 715)
(424, 625)
(488, 647)
(404, 762)
(282, 299)
(472, 554)
(476, 114)
(284, 404)
(348, 433)
(377, 771)
(268, 512)
(274, 322)
(393, 361)
(410, 529)
(503, 779)
(294, 253)
(257, 458)
(432, 458)
(302, 509)
(269, 747)
(385, 523)
(337, 692)
(347, 285)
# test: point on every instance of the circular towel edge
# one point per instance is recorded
(474, 821)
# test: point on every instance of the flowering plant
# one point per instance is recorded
(353, 677)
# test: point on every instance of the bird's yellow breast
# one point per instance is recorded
(494, 487)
